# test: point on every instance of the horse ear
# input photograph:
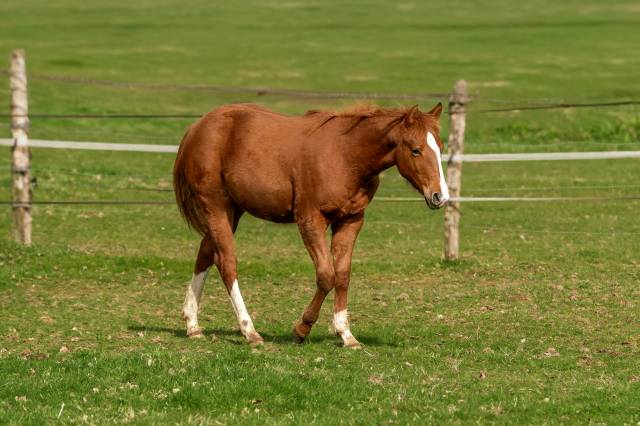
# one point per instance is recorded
(436, 110)
(412, 116)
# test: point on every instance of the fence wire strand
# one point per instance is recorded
(89, 203)
(111, 135)
(562, 105)
(516, 231)
(485, 229)
(526, 104)
(104, 116)
(548, 231)
(259, 91)
(384, 199)
(127, 116)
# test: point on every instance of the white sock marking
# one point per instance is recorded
(444, 189)
(192, 300)
(341, 325)
(246, 325)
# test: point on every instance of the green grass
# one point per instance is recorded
(463, 342)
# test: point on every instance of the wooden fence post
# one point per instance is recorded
(457, 102)
(21, 156)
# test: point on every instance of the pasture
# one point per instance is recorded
(537, 323)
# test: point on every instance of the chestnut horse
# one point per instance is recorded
(317, 170)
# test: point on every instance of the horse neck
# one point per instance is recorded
(370, 152)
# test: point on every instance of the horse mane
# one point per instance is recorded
(359, 112)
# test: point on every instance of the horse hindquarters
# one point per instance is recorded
(205, 204)
(217, 248)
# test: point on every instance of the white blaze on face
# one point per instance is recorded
(192, 301)
(444, 189)
(246, 325)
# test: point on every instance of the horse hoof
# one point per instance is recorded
(195, 334)
(352, 344)
(298, 338)
(255, 340)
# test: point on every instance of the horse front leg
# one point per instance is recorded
(345, 233)
(313, 231)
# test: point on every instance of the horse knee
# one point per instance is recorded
(326, 279)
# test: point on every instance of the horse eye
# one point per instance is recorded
(415, 152)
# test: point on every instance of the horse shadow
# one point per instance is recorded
(180, 332)
(283, 338)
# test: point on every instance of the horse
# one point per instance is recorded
(317, 170)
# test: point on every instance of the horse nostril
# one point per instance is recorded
(436, 198)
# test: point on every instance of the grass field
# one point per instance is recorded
(537, 323)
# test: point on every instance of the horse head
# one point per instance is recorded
(418, 151)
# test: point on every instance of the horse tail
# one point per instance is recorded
(189, 204)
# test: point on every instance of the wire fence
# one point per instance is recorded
(111, 179)
(555, 143)
(110, 134)
(516, 231)
(596, 199)
(90, 203)
(514, 105)
(488, 157)
(525, 104)
(126, 116)
(136, 182)
(561, 105)
(257, 91)
(519, 232)
(104, 116)
(612, 233)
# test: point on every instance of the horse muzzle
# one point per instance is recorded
(436, 200)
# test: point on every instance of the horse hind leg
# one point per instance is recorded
(194, 290)
(221, 229)
(191, 304)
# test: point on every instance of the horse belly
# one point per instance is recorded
(267, 197)
(258, 167)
